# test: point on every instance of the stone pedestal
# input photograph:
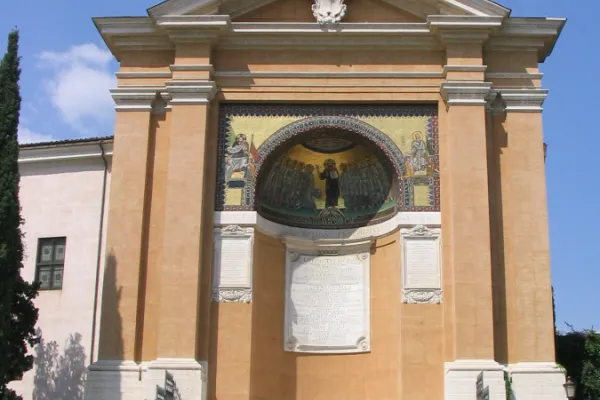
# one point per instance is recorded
(109, 380)
(537, 381)
(189, 377)
(462, 376)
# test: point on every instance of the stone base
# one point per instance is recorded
(461, 379)
(127, 380)
(537, 381)
(109, 380)
(189, 376)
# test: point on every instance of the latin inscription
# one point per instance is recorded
(422, 264)
(233, 263)
(326, 305)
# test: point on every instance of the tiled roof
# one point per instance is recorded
(59, 143)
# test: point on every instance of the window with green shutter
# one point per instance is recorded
(51, 263)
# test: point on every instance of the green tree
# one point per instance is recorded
(590, 379)
(18, 315)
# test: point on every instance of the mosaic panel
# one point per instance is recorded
(250, 135)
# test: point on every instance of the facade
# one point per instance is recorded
(322, 199)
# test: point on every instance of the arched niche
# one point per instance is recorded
(328, 173)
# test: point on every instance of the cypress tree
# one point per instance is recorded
(18, 314)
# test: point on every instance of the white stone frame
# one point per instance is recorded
(232, 293)
(327, 236)
(421, 295)
(360, 250)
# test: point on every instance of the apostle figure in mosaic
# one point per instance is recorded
(331, 177)
(307, 188)
(237, 156)
(419, 154)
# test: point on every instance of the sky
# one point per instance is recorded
(67, 72)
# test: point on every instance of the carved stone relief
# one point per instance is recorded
(329, 12)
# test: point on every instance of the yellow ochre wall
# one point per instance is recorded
(510, 304)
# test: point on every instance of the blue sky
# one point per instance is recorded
(58, 35)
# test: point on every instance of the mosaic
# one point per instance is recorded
(328, 165)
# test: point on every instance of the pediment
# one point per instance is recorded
(414, 10)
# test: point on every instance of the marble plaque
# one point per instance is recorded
(232, 267)
(327, 303)
(421, 265)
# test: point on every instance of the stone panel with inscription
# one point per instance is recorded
(421, 265)
(232, 271)
(327, 303)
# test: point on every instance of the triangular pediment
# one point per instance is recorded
(281, 10)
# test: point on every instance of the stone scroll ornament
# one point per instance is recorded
(328, 12)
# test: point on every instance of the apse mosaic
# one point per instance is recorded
(328, 166)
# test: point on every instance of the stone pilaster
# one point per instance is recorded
(526, 240)
(116, 373)
(181, 265)
(468, 213)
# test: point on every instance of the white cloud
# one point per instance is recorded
(79, 87)
(27, 136)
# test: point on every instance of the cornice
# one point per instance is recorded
(191, 67)
(513, 75)
(465, 93)
(163, 32)
(142, 74)
(319, 74)
(523, 100)
(65, 152)
(134, 98)
(190, 91)
(194, 28)
(536, 34)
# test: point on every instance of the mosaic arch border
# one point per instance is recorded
(314, 116)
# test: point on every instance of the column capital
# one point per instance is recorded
(134, 98)
(465, 93)
(191, 91)
(523, 100)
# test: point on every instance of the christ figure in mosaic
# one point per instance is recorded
(331, 177)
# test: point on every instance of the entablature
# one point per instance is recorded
(164, 32)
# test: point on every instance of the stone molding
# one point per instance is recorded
(465, 93)
(317, 236)
(134, 98)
